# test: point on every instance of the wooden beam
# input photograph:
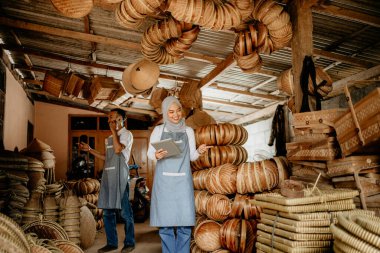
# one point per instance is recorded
(32, 81)
(216, 101)
(302, 21)
(247, 93)
(261, 114)
(343, 58)
(226, 64)
(348, 14)
(338, 86)
(223, 114)
(93, 38)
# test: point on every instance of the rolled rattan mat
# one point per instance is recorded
(372, 225)
(297, 223)
(290, 243)
(269, 249)
(285, 248)
(358, 231)
(340, 246)
(325, 196)
(351, 240)
(327, 206)
(294, 236)
(318, 215)
(290, 228)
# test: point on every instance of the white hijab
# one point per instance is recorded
(172, 127)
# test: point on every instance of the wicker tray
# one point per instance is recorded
(323, 150)
(267, 244)
(290, 228)
(325, 196)
(296, 223)
(317, 118)
(292, 235)
(352, 164)
(360, 125)
(291, 243)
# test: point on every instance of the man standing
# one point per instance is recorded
(114, 190)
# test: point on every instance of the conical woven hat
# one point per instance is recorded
(144, 74)
(37, 146)
(46, 155)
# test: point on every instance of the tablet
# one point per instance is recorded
(168, 145)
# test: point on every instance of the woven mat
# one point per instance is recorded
(296, 223)
(324, 196)
(269, 249)
(294, 236)
(341, 205)
(320, 215)
(351, 240)
(290, 243)
(340, 246)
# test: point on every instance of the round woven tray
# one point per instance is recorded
(73, 8)
(68, 246)
(46, 229)
(207, 236)
(13, 232)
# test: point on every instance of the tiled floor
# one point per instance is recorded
(147, 239)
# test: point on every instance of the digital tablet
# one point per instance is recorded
(168, 145)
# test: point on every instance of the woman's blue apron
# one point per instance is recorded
(173, 193)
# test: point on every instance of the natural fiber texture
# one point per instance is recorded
(238, 235)
(73, 8)
(12, 233)
(68, 247)
(218, 207)
(267, 244)
(351, 164)
(222, 179)
(290, 228)
(356, 230)
(296, 223)
(201, 199)
(340, 246)
(320, 197)
(207, 236)
(221, 134)
(200, 179)
(372, 224)
(46, 229)
(352, 241)
(87, 228)
(327, 206)
(294, 244)
(241, 207)
(268, 249)
(294, 236)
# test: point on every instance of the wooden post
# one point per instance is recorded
(302, 43)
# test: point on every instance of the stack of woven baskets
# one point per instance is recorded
(222, 222)
(69, 217)
(50, 208)
(43, 152)
(33, 208)
(301, 223)
(356, 233)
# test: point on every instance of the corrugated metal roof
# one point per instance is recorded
(335, 34)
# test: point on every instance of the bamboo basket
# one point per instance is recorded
(352, 164)
(54, 83)
(323, 150)
(207, 235)
(360, 126)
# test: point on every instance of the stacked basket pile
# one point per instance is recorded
(226, 217)
(14, 193)
(301, 224)
(69, 217)
(356, 233)
(43, 152)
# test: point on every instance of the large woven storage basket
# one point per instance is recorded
(361, 125)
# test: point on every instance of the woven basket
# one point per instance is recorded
(190, 95)
(241, 207)
(351, 164)
(222, 179)
(207, 236)
(46, 229)
(323, 150)
(73, 8)
(201, 199)
(221, 134)
(218, 207)
(263, 244)
(68, 247)
(87, 228)
(359, 126)
(291, 228)
(10, 231)
(199, 179)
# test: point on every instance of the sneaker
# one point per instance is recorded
(107, 248)
(127, 249)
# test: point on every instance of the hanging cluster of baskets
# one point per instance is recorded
(166, 41)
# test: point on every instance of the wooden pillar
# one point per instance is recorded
(302, 42)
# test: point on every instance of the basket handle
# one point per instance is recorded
(356, 122)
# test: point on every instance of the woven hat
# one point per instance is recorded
(37, 146)
(199, 119)
(140, 77)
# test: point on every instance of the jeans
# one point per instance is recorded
(109, 217)
(175, 243)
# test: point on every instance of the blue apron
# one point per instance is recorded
(173, 193)
(114, 178)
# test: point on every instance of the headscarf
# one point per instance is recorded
(172, 127)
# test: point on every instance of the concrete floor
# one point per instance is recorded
(147, 239)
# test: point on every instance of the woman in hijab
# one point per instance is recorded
(172, 207)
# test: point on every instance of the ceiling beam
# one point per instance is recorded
(348, 14)
(93, 38)
(222, 113)
(217, 101)
(343, 58)
(247, 93)
(261, 114)
(338, 86)
(226, 64)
